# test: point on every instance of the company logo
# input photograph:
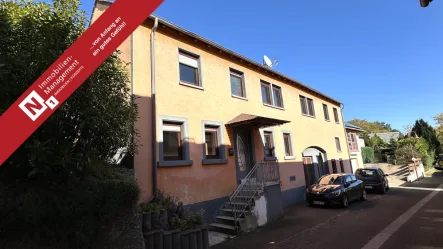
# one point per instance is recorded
(34, 105)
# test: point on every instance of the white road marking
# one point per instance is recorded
(386, 233)
(419, 188)
(433, 211)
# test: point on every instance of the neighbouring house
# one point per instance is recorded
(386, 136)
(355, 143)
(219, 130)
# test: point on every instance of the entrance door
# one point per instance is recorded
(243, 153)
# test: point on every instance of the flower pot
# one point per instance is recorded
(192, 239)
(149, 240)
(164, 219)
(205, 238)
(185, 240)
(146, 222)
(155, 220)
(167, 240)
(199, 239)
(158, 240)
(176, 240)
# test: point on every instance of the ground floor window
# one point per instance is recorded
(213, 143)
(173, 141)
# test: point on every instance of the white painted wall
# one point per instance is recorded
(361, 142)
(260, 211)
(314, 153)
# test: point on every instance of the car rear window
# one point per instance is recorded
(367, 172)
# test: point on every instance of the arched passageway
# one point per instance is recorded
(314, 164)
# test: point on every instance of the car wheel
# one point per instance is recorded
(383, 190)
(363, 195)
(344, 201)
(387, 187)
(310, 203)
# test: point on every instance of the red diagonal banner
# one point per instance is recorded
(69, 71)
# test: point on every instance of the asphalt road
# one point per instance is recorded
(407, 217)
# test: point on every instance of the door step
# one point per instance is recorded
(229, 218)
(223, 226)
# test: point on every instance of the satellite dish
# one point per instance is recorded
(267, 61)
(425, 3)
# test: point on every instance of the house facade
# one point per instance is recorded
(355, 143)
(208, 116)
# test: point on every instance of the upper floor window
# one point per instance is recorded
(307, 106)
(271, 94)
(337, 144)
(189, 68)
(237, 83)
(335, 115)
(352, 142)
(326, 112)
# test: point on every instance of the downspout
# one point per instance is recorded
(342, 106)
(154, 113)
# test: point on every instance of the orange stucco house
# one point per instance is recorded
(208, 117)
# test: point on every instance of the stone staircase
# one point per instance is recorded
(242, 201)
(234, 211)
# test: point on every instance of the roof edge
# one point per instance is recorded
(230, 52)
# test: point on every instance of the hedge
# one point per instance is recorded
(367, 154)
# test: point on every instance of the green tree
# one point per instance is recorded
(422, 129)
(60, 186)
(93, 124)
(369, 126)
(439, 128)
(376, 142)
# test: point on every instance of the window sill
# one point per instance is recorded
(214, 161)
(273, 106)
(190, 85)
(309, 116)
(175, 163)
(289, 157)
(270, 158)
(238, 97)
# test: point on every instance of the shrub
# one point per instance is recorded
(179, 218)
(94, 123)
(69, 213)
(367, 154)
(406, 152)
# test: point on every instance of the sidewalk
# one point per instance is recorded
(298, 218)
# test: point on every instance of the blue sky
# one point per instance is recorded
(383, 58)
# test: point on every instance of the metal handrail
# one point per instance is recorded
(262, 173)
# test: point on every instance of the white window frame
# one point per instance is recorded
(291, 148)
(186, 161)
(189, 62)
(221, 143)
(338, 146)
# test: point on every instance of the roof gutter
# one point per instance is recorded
(242, 58)
(154, 113)
(342, 106)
